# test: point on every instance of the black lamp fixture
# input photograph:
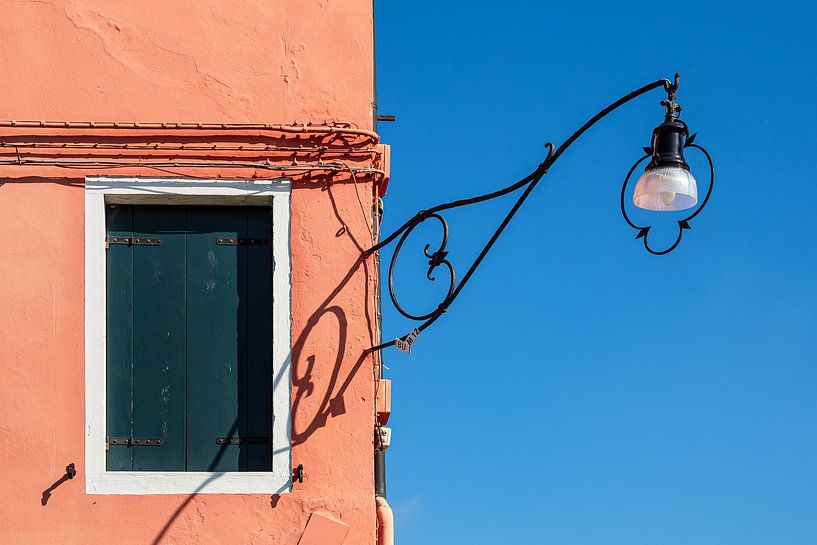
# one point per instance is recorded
(667, 185)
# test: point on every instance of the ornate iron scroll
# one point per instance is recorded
(435, 259)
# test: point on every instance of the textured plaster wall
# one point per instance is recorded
(196, 60)
(267, 61)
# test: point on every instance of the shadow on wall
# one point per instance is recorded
(39, 180)
(303, 365)
(180, 509)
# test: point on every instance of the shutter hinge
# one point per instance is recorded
(241, 241)
(132, 241)
(243, 440)
(132, 442)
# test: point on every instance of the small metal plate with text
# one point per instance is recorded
(405, 344)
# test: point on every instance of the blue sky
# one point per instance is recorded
(580, 390)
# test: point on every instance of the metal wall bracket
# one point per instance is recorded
(298, 474)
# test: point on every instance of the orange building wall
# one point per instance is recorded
(264, 61)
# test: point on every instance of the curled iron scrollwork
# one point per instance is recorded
(683, 224)
(435, 259)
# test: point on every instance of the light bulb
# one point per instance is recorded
(667, 197)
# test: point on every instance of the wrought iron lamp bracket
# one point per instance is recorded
(439, 257)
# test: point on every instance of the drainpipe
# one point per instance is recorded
(385, 522)
(385, 516)
(380, 473)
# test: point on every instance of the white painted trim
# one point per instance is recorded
(98, 191)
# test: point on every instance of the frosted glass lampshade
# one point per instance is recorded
(665, 189)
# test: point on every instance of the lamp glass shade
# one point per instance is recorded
(665, 189)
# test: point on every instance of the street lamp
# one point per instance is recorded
(666, 185)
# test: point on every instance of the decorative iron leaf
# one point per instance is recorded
(647, 150)
(684, 224)
(642, 232)
(690, 140)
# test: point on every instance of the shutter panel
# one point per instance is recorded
(119, 332)
(259, 340)
(216, 358)
(159, 342)
(189, 329)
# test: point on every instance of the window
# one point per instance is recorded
(187, 336)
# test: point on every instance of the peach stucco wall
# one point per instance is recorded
(264, 61)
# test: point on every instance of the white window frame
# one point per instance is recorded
(100, 191)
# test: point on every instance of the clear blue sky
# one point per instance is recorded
(581, 391)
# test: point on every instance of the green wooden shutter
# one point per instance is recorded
(159, 314)
(259, 340)
(230, 332)
(217, 358)
(190, 338)
(119, 324)
(146, 339)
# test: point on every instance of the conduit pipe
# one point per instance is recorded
(342, 129)
(248, 148)
(78, 163)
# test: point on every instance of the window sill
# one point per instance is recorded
(180, 482)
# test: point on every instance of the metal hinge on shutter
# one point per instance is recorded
(243, 440)
(242, 241)
(132, 442)
(132, 241)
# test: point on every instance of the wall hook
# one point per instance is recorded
(298, 473)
